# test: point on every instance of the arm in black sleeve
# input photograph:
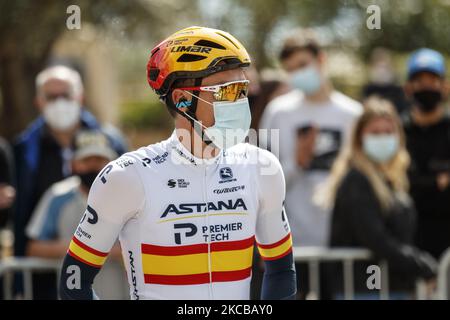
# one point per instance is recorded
(273, 235)
(76, 280)
(279, 282)
(365, 215)
(105, 215)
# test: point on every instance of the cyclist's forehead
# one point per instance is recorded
(224, 77)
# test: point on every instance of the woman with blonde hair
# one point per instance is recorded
(368, 193)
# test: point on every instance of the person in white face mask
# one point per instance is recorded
(368, 193)
(59, 99)
(313, 122)
(42, 152)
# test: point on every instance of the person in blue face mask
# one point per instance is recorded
(313, 121)
(368, 193)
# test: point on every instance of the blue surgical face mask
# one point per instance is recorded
(307, 79)
(380, 147)
(232, 122)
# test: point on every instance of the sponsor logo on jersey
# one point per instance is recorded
(81, 233)
(124, 162)
(172, 183)
(283, 218)
(209, 233)
(185, 208)
(220, 232)
(133, 275)
(93, 216)
(103, 174)
(226, 175)
(228, 190)
(190, 232)
(182, 183)
(185, 156)
(146, 162)
(161, 158)
(233, 154)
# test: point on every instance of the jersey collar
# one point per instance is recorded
(182, 154)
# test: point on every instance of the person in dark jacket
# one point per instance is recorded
(7, 191)
(368, 189)
(7, 196)
(427, 128)
(43, 151)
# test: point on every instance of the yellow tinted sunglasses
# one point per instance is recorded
(229, 91)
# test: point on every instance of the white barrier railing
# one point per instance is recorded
(442, 279)
(26, 266)
(347, 256)
(311, 255)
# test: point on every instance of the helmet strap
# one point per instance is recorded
(192, 109)
(190, 114)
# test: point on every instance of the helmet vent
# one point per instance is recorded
(220, 34)
(207, 43)
(153, 74)
(154, 51)
(190, 58)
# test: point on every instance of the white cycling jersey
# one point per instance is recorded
(187, 228)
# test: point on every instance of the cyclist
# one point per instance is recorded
(188, 210)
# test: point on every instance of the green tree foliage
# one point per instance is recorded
(28, 30)
(405, 24)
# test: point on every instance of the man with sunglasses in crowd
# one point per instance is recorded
(189, 209)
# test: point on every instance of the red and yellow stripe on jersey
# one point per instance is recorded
(189, 265)
(276, 250)
(86, 254)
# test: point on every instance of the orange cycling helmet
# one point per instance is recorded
(192, 53)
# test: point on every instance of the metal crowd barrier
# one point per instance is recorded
(26, 266)
(313, 256)
(442, 279)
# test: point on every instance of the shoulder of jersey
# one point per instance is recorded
(286, 102)
(144, 157)
(346, 103)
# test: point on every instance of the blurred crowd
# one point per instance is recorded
(372, 173)
(369, 174)
(44, 189)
